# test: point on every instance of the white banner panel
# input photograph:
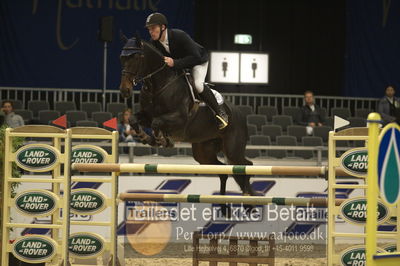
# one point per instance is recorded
(253, 68)
(224, 67)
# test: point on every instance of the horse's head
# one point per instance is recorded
(132, 64)
(140, 61)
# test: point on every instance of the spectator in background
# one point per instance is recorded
(11, 119)
(126, 132)
(311, 115)
(389, 106)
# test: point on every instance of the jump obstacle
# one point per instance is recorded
(204, 169)
(367, 253)
(62, 253)
(54, 160)
(388, 181)
(199, 169)
(219, 199)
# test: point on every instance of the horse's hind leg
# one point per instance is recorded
(206, 153)
(234, 146)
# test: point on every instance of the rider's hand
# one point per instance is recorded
(169, 61)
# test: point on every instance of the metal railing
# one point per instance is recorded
(281, 101)
(53, 95)
(254, 100)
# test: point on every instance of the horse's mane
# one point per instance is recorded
(152, 48)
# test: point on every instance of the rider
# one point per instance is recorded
(180, 51)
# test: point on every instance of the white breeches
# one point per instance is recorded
(199, 73)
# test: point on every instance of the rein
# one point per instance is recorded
(136, 81)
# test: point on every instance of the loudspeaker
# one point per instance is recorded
(106, 29)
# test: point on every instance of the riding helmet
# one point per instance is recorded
(156, 19)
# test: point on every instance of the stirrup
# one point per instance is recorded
(222, 123)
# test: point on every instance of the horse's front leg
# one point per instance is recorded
(156, 139)
(163, 122)
(144, 137)
(162, 140)
(157, 124)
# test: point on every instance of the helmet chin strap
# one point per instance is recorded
(161, 33)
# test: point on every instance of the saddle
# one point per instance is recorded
(192, 92)
(190, 82)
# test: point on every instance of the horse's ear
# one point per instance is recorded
(138, 39)
(122, 36)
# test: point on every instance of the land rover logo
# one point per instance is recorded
(87, 201)
(37, 157)
(355, 255)
(88, 154)
(85, 245)
(355, 211)
(34, 248)
(355, 162)
(36, 202)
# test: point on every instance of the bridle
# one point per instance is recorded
(135, 81)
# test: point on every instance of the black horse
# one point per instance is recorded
(167, 107)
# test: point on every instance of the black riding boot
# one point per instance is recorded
(208, 97)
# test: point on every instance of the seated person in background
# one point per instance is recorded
(126, 132)
(388, 106)
(310, 114)
(11, 119)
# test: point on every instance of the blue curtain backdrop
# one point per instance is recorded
(53, 43)
(372, 59)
